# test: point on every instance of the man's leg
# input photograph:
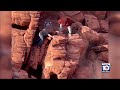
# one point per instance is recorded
(69, 30)
(41, 36)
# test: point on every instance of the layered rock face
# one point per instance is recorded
(63, 56)
(75, 57)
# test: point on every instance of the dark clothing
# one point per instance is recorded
(65, 22)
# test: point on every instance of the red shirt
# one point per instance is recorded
(65, 22)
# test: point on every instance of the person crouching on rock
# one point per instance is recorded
(47, 31)
(65, 22)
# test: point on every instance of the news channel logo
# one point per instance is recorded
(106, 67)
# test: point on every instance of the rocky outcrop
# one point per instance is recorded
(100, 48)
(77, 56)
(92, 36)
(74, 15)
(104, 26)
(63, 56)
(101, 15)
(92, 22)
(103, 56)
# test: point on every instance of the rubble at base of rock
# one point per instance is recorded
(74, 57)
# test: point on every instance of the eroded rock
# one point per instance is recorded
(92, 22)
(63, 56)
(104, 26)
(100, 48)
(91, 55)
(92, 36)
(103, 56)
(100, 14)
(104, 37)
(66, 57)
(74, 15)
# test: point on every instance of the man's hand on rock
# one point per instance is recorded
(50, 37)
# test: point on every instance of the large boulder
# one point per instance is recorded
(92, 22)
(63, 56)
(99, 14)
(104, 26)
(92, 36)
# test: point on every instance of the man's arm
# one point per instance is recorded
(40, 35)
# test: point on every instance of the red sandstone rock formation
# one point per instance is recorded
(78, 56)
(92, 22)
(63, 56)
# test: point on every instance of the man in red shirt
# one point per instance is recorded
(65, 22)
